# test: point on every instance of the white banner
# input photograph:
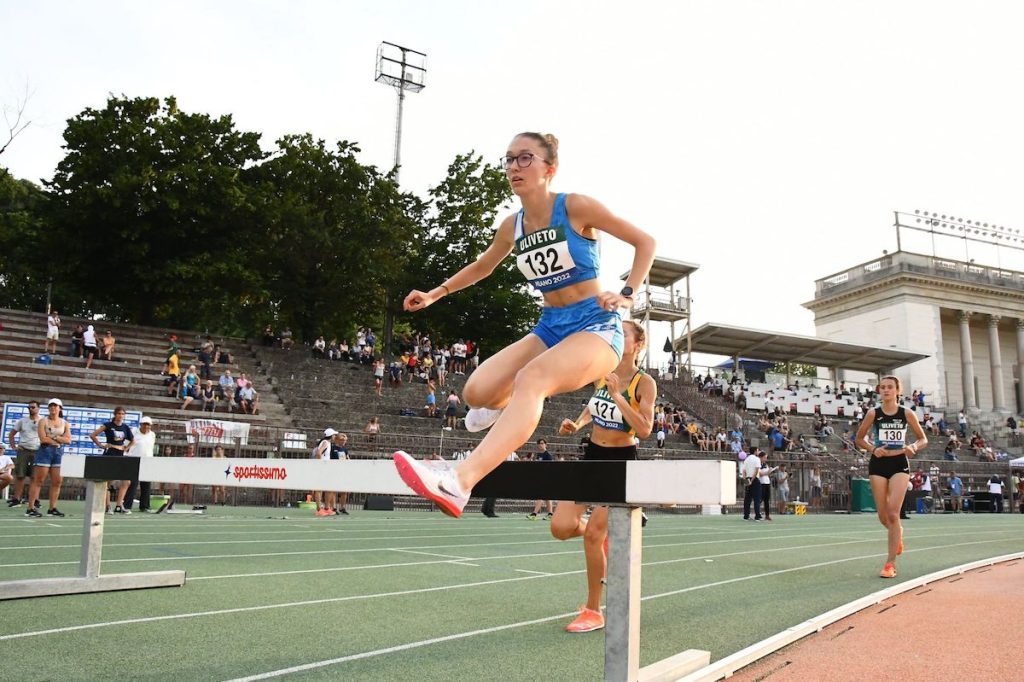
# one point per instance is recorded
(213, 431)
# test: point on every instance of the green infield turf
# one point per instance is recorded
(418, 596)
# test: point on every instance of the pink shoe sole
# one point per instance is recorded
(412, 479)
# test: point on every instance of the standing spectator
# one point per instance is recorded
(452, 410)
(324, 451)
(172, 345)
(938, 504)
(378, 375)
(217, 491)
(107, 345)
(752, 485)
(119, 438)
(27, 431)
(206, 351)
(1020, 492)
(411, 365)
(956, 489)
(268, 336)
(442, 370)
(782, 481)
(339, 451)
(360, 340)
(89, 342)
(961, 420)
(661, 437)
(52, 332)
(431, 406)
(459, 357)
(186, 489)
(143, 445)
(371, 340)
(543, 455)
(54, 433)
(765, 476)
(817, 501)
(173, 371)
(77, 346)
(995, 489)
(474, 355)
(372, 429)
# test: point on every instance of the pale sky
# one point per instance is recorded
(767, 142)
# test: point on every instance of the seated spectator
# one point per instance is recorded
(1011, 425)
(77, 345)
(332, 350)
(319, 347)
(189, 387)
(247, 398)
(107, 346)
(209, 396)
(343, 350)
(950, 452)
(222, 356)
(268, 336)
(286, 339)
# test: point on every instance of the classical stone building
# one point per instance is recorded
(968, 318)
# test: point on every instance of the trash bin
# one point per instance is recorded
(863, 500)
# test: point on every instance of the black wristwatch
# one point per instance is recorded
(627, 292)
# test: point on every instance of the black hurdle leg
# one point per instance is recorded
(622, 617)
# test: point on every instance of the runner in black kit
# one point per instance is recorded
(889, 468)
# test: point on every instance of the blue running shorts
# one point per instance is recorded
(48, 456)
(583, 316)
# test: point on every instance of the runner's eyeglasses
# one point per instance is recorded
(523, 160)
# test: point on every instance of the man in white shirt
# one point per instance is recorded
(995, 489)
(144, 445)
(751, 471)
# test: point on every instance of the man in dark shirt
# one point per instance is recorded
(119, 438)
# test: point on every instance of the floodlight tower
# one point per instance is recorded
(403, 69)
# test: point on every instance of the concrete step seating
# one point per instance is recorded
(133, 379)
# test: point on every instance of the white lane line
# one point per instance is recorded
(402, 647)
(523, 570)
(725, 555)
(443, 556)
(472, 633)
(463, 563)
(278, 541)
(773, 538)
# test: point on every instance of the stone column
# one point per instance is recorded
(996, 360)
(1020, 361)
(966, 360)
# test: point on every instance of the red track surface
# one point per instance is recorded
(966, 627)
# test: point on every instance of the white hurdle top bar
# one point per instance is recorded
(643, 482)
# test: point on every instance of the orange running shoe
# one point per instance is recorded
(587, 621)
(888, 571)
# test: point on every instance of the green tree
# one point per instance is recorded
(155, 215)
(464, 206)
(795, 369)
(26, 247)
(334, 234)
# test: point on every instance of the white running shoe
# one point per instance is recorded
(480, 418)
(437, 485)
